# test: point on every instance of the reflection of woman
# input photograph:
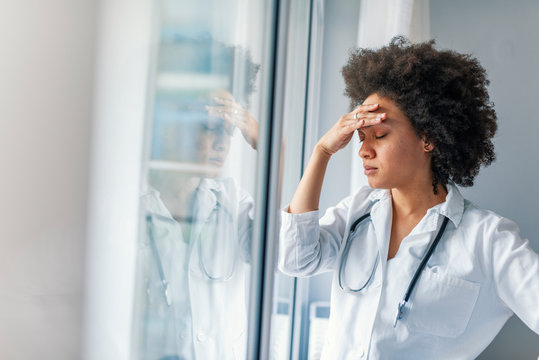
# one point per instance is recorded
(426, 124)
(197, 250)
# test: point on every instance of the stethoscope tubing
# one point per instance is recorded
(155, 251)
(202, 265)
(415, 278)
(344, 257)
(425, 259)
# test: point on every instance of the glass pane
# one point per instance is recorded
(297, 58)
(208, 95)
(294, 322)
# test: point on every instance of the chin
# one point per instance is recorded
(376, 184)
(373, 183)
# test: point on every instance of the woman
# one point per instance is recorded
(419, 272)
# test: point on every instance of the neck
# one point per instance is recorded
(177, 192)
(416, 200)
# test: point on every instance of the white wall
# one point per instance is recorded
(503, 36)
(46, 69)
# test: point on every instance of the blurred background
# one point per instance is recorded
(104, 102)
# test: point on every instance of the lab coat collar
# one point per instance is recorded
(381, 216)
(206, 199)
(152, 203)
(379, 194)
(452, 207)
(210, 184)
(210, 193)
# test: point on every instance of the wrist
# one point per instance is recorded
(322, 151)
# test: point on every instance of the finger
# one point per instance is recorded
(219, 107)
(356, 125)
(366, 108)
(219, 110)
(224, 101)
(362, 110)
(218, 113)
(371, 121)
(229, 103)
(366, 121)
(234, 111)
(353, 119)
(214, 109)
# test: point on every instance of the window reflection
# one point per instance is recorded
(195, 252)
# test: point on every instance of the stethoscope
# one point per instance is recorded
(417, 274)
(150, 224)
(201, 262)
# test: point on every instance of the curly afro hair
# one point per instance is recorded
(443, 94)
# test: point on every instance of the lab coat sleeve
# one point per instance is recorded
(309, 246)
(515, 271)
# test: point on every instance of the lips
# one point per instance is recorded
(369, 170)
(217, 161)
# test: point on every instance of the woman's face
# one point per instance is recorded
(214, 141)
(393, 156)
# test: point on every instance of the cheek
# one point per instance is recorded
(395, 153)
(204, 143)
(404, 154)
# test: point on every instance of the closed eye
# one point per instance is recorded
(381, 137)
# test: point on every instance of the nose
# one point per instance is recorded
(220, 143)
(366, 151)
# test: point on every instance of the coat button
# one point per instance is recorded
(201, 336)
(359, 353)
(355, 354)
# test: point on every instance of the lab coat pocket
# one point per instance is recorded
(442, 304)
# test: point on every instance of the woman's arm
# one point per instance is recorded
(307, 196)
(306, 248)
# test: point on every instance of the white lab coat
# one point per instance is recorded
(481, 273)
(206, 319)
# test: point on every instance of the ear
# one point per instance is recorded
(427, 145)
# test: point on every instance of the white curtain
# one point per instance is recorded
(379, 22)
